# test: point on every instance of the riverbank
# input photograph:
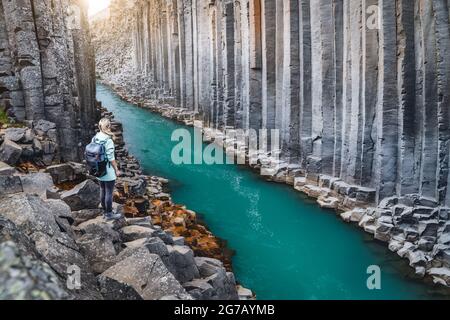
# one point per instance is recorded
(49, 216)
(144, 196)
(421, 239)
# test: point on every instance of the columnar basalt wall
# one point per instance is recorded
(358, 89)
(47, 68)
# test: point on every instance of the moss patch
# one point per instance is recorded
(3, 117)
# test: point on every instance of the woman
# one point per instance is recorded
(108, 181)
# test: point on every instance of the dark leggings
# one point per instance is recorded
(106, 195)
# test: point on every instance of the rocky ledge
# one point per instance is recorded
(416, 228)
(51, 226)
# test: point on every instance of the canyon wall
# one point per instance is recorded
(47, 68)
(358, 89)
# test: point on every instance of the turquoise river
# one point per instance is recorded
(286, 246)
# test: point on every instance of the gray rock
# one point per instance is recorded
(200, 289)
(10, 152)
(16, 135)
(244, 293)
(101, 228)
(62, 173)
(86, 215)
(183, 263)
(143, 222)
(42, 127)
(10, 185)
(115, 290)
(99, 251)
(35, 218)
(86, 195)
(6, 170)
(134, 232)
(37, 183)
(23, 277)
(146, 273)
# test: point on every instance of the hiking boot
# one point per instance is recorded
(113, 216)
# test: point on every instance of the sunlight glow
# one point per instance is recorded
(95, 6)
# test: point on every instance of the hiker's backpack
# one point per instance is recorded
(95, 155)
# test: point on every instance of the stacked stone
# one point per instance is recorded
(47, 68)
(37, 143)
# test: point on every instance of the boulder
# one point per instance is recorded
(101, 228)
(182, 263)
(440, 275)
(146, 273)
(99, 251)
(136, 244)
(63, 215)
(23, 277)
(6, 170)
(53, 193)
(200, 289)
(179, 241)
(244, 293)
(115, 290)
(163, 235)
(10, 185)
(328, 202)
(132, 187)
(132, 233)
(42, 127)
(67, 172)
(178, 297)
(23, 274)
(214, 273)
(16, 135)
(143, 222)
(35, 218)
(86, 215)
(37, 183)
(86, 195)
(10, 152)
(208, 266)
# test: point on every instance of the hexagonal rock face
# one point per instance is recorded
(10, 152)
(86, 195)
(143, 271)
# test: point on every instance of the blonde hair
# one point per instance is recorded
(105, 126)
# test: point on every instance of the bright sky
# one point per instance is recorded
(96, 6)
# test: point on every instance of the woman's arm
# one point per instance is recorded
(116, 168)
(110, 152)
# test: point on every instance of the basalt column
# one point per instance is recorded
(358, 89)
(47, 68)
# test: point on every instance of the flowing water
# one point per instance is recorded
(286, 246)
